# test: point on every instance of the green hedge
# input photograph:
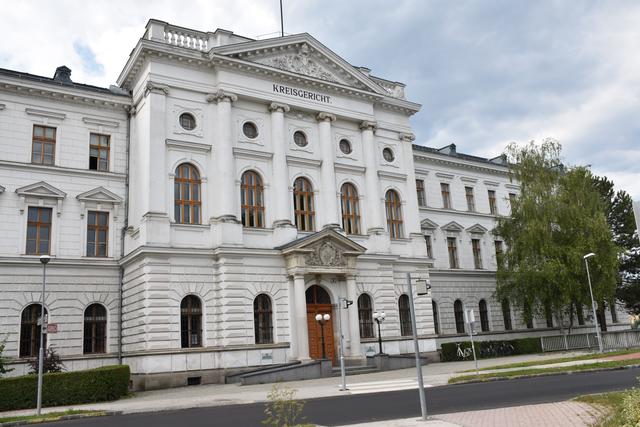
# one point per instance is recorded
(449, 351)
(65, 388)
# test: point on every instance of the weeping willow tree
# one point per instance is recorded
(557, 218)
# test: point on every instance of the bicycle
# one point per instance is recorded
(463, 354)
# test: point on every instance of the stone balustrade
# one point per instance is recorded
(177, 36)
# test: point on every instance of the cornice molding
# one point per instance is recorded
(303, 162)
(394, 176)
(100, 122)
(349, 169)
(62, 171)
(420, 156)
(187, 145)
(246, 153)
(45, 113)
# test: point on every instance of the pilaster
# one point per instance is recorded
(354, 322)
(372, 185)
(301, 317)
(329, 216)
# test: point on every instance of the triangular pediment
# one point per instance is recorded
(453, 227)
(477, 229)
(304, 55)
(99, 195)
(41, 189)
(427, 224)
(322, 238)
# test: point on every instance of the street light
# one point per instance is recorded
(322, 319)
(44, 259)
(379, 318)
(593, 303)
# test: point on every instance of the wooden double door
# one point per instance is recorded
(318, 302)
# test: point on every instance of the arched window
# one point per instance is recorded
(262, 322)
(191, 322)
(30, 331)
(252, 200)
(350, 209)
(506, 315)
(394, 214)
(459, 315)
(95, 329)
(405, 315)
(436, 319)
(365, 315)
(186, 189)
(484, 316)
(303, 205)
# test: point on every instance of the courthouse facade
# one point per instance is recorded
(202, 212)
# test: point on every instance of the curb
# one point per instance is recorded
(61, 418)
(542, 374)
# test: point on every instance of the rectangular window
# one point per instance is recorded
(43, 147)
(446, 195)
(477, 255)
(422, 199)
(427, 240)
(38, 231)
(512, 200)
(99, 152)
(493, 207)
(97, 233)
(498, 245)
(471, 203)
(453, 252)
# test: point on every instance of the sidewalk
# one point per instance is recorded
(229, 394)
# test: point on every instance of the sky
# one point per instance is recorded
(486, 72)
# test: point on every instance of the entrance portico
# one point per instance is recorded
(328, 258)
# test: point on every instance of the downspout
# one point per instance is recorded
(124, 231)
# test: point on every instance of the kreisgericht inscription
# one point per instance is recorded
(286, 90)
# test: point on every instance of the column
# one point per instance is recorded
(330, 217)
(280, 187)
(301, 317)
(222, 157)
(354, 321)
(411, 211)
(293, 328)
(372, 186)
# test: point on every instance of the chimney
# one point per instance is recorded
(63, 74)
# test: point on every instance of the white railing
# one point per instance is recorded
(177, 36)
(613, 340)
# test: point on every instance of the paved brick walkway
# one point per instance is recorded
(560, 414)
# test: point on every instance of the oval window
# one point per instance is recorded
(388, 155)
(300, 139)
(250, 130)
(187, 121)
(345, 146)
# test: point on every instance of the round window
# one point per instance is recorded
(187, 121)
(300, 139)
(250, 130)
(387, 153)
(345, 146)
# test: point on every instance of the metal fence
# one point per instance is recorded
(614, 340)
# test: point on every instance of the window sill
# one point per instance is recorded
(179, 225)
(257, 230)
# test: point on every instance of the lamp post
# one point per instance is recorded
(322, 319)
(593, 303)
(379, 318)
(44, 259)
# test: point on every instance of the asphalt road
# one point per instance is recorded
(390, 405)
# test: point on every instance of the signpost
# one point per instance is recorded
(343, 373)
(470, 320)
(416, 347)
(52, 328)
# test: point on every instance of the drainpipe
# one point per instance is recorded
(123, 232)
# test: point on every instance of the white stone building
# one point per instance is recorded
(201, 213)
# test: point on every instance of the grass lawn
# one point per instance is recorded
(51, 416)
(612, 402)
(543, 371)
(557, 360)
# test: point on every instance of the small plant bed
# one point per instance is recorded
(622, 408)
(557, 360)
(532, 372)
(51, 416)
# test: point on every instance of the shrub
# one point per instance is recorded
(65, 388)
(489, 349)
(3, 368)
(282, 410)
(51, 362)
(630, 412)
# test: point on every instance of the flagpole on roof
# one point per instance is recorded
(281, 21)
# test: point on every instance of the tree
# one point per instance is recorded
(51, 363)
(557, 218)
(619, 209)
